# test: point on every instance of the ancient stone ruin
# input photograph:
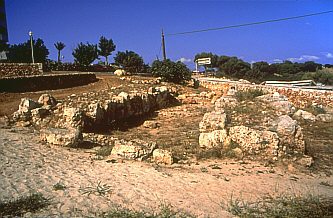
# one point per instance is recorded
(282, 138)
(68, 123)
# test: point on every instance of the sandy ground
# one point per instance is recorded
(199, 188)
(29, 166)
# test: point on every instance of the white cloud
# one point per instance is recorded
(329, 55)
(185, 60)
(304, 58)
(277, 60)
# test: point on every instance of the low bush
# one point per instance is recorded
(324, 76)
(170, 71)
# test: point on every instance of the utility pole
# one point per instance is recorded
(163, 46)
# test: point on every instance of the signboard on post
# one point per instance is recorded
(202, 62)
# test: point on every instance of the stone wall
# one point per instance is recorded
(45, 82)
(93, 111)
(299, 97)
(103, 109)
(20, 69)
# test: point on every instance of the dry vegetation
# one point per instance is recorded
(178, 132)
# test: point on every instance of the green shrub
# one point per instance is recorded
(324, 76)
(170, 71)
(248, 94)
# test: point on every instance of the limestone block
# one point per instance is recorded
(70, 137)
(162, 156)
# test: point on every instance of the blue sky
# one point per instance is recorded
(136, 25)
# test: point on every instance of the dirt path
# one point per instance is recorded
(29, 166)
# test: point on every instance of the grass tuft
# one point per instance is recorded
(283, 207)
(22, 205)
(165, 211)
(59, 186)
(100, 189)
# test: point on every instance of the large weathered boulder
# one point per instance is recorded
(47, 99)
(120, 72)
(279, 102)
(73, 117)
(162, 156)
(253, 141)
(216, 138)
(95, 112)
(225, 102)
(24, 111)
(133, 149)
(301, 114)
(69, 137)
(28, 104)
(290, 134)
(215, 120)
(283, 107)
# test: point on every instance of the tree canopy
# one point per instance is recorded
(85, 54)
(130, 62)
(21, 53)
(106, 47)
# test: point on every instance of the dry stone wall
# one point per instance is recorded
(20, 69)
(299, 97)
(45, 82)
(93, 110)
(104, 108)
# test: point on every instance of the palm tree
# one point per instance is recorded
(59, 46)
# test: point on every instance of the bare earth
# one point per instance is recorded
(29, 166)
(202, 188)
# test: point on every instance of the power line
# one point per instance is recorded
(250, 24)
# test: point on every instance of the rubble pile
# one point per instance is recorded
(282, 138)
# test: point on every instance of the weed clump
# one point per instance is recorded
(249, 94)
(59, 186)
(165, 211)
(283, 206)
(22, 205)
